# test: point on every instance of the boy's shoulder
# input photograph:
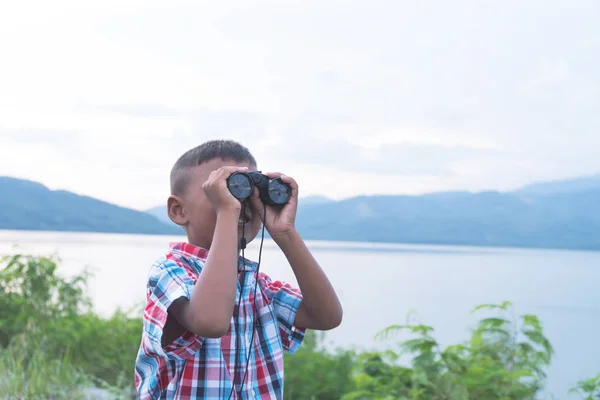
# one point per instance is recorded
(174, 273)
(180, 255)
(184, 262)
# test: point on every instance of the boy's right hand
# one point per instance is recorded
(217, 192)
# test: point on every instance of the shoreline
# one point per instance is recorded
(334, 244)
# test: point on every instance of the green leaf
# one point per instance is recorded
(503, 306)
(419, 345)
(532, 321)
(539, 339)
(395, 329)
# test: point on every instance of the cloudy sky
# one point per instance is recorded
(349, 97)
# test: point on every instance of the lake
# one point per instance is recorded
(379, 284)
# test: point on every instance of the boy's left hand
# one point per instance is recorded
(280, 221)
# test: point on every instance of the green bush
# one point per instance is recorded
(504, 359)
(28, 371)
(314, 373)
(48, 317)
(588, 387)
(53, 346)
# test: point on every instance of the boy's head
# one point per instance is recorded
(188, 205)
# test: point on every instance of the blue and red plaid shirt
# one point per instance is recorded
(193, 367)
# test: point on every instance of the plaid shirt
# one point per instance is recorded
(193, 367)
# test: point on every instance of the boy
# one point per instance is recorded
(196, 339)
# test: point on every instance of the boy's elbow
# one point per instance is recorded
(210, 328)
(202, 323)
(338, 316)
(332, 321)
(322, 319)
(335, 320)
(211, 333)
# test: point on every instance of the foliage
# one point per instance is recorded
(27, 371)
(589, 387)
(31, 292)
(315, 373)
(504, 359)
(54, 316)
(53, 346)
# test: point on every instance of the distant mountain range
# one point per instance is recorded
(27, 205)
(560, 214)
(160, 212)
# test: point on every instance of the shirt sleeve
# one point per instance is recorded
(285, 300)
(166, 284)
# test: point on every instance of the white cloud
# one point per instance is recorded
(100, 97)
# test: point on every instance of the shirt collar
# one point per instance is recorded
(189, 250)
(193, 251)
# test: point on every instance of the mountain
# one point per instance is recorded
(311, 200)
(565, 186)
(567, 221)
(562, 214)
(30, 205)
(160, 212)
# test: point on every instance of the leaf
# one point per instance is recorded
(539, 339)
(395, 329)
(390, 330)
(525, 347)
(521, 373)
(494, 322)
(418, 345)
(503, 306)
(532, 321)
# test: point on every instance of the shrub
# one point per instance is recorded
(54, 346)
(44, 316)
(315, 373)
(504, 359)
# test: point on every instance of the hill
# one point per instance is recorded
(563, 221)
(557, 214)
(30, 205)
(564, 186)
(560, 214)
(160, 212)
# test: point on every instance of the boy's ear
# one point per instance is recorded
(176, 211)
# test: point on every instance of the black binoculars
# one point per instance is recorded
(272, 191)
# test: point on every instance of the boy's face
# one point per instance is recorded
(199, 215)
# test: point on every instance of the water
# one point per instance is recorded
(380, 284)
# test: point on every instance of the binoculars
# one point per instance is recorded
(272, 191)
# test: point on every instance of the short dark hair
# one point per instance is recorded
(223, 149)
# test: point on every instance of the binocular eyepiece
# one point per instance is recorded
(272, 191)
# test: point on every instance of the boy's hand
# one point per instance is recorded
(280, 221)
(217, 192)
(320, 307)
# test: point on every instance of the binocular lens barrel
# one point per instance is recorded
(272, 191)
(240, 186)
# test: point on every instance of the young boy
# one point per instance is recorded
(196, 339)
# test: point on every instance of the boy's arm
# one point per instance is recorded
(208, 311)
(320, 308)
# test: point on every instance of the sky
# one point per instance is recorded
(348, 97)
